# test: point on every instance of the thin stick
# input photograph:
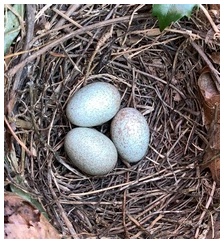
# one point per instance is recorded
(17, 139)
(71, 20)
(70, 11)
(126, 184)
(214, 72)
(41, 12)
(215, 28)
(206, 208)
(83, 30)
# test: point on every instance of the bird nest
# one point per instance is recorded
(166, 194)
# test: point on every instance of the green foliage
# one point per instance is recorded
(28, 197)
(12, 25)
(168, 13)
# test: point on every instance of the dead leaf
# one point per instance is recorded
(211, 158)
(215, 56)
(23, 221)
(214, 12)
(211, 117)
(212, 155)
(211, 35)
(210, 97)
(214, 167)
(214, 6)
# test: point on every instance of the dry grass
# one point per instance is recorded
(165, 195)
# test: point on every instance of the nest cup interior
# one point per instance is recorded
(164, 194)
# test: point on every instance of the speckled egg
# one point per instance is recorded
(93, 104)
(130, 134)
(90, 151)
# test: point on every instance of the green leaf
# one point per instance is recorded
(168, 13)
(12, 25)
(28, 197)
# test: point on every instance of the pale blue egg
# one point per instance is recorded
(130, 134)
(93, 104)
(90, 151)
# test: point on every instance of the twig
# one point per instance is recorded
(215, 28)
(214, 72)
(18, 81)
(105, 36)
(62, 211)
(41, 12)
(83, 30)
(72, 8)
(206, 208)
(124, 210)
(17, 139)
(125, 185)
(70, 20)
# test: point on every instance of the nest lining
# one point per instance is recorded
(162, 196)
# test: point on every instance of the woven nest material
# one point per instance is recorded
(165, 195)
